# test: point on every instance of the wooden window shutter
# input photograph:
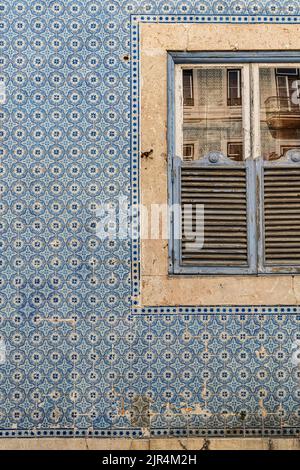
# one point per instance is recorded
(279, 241)
(226, 189)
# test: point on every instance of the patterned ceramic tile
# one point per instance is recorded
(75, 359)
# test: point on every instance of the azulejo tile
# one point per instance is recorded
(75, 359)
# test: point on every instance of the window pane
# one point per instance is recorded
(235, 150)
(188, 152)
(188, 88)
(212, 112)
(234, 92)
(279, 111)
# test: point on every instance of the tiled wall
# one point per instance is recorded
(75, 359)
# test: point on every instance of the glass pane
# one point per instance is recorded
(234, 97)
(188, 88)
(279, 111)
(212, 112)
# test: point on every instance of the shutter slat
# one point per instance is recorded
(283, 250)
(207, 183)
(211, 223)
(280, 211)
(224, 245)
(223, 192)
(278, 172)
(222, 263)
(275, 188)
(193, 187)
(218, 217)
(280, 216)
(231, 238)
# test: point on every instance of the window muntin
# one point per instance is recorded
(264, 256)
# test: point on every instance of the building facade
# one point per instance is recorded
(102, 333)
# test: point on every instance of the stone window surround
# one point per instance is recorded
(158, 288)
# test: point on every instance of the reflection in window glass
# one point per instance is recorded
(235, 150)
(279, 111)
(234, 88)
(188, 151)
(212, 111)
(188, 88)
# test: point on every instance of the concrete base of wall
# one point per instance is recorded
(148, 444)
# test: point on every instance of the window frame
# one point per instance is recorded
(178, 60)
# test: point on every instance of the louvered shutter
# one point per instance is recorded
(226, 189)
(279, 243)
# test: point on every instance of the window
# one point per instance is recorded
(188, 152)
(242, 169)
(188, 87)
(235, 150)
(286, 82)
(234, 89)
